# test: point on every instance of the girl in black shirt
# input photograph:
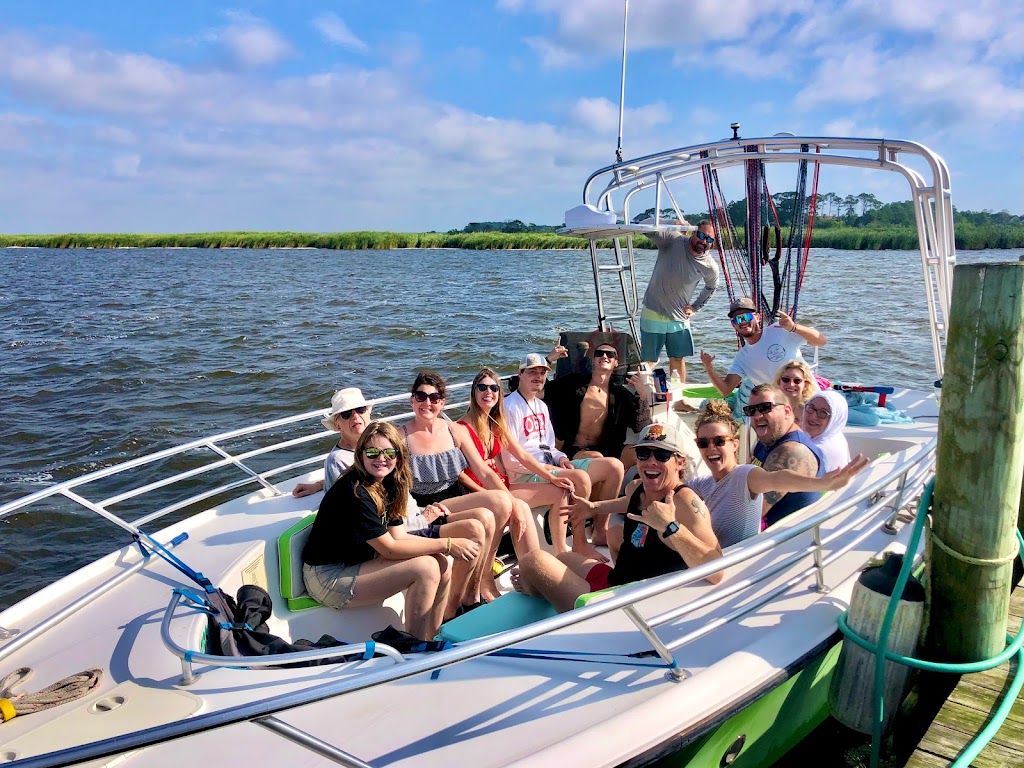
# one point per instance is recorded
(358, 552)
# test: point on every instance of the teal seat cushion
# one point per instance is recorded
(507, 612)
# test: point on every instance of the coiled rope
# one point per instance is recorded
(70, 688)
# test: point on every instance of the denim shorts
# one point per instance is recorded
(331, 585)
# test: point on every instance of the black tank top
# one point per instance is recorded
(643, 553)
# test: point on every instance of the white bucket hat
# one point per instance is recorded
(343, 400)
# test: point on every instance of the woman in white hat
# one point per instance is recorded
(350, 413)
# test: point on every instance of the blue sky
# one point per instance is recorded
(413, 115)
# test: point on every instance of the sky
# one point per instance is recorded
(419, 115)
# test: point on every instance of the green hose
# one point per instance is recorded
(882, 653)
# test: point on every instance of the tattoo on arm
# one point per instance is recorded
(698, 507)
(792, 456)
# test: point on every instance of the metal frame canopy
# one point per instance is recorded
(613, 188)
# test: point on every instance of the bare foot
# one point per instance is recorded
(588, 550)
(517, 581)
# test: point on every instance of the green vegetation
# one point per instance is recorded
(838, 225)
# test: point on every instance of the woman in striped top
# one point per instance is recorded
(733, 491)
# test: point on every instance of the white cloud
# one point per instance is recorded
(336, 31)
(252, 43)
(126, 166)
(602, 116)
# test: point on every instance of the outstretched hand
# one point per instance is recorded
(658, 514)
(838, 478)
(706, 358)
(578, 509)
(785, 321)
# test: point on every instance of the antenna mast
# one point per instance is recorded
(622, 87)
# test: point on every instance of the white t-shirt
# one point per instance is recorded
(735, 515)
(530, 424)
(761, 361)
(340, 459)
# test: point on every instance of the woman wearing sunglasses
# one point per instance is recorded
(798, 384)
(440, 450)
(733, 492)
(358, 552)
(488, 428)
(667, 529)
(825, 418)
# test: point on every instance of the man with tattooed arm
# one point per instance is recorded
(781, 444)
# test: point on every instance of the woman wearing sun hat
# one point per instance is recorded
(667, 529)
(349, 415)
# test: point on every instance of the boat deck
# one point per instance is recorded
(968, 709)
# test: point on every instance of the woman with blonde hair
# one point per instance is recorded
(488, 428)
(358, 552)
(797, 382)
(733, 492)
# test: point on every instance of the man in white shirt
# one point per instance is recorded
(764, 349)
(530, 422)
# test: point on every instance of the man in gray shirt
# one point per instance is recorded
(669, 304)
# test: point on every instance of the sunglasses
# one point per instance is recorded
(821, 413)
(789, 380)
(706, 238)
(660, 454)
(744, 317)
(488, 388)
(346, 415)
(718, 441)
(389, 453)
(605, 353)
(759, 408)
(421, 397)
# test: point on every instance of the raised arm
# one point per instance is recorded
(726, 385)
(787, 481)
(812, 336)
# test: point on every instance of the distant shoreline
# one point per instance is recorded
(841, 238)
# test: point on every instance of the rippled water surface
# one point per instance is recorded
(110, 354)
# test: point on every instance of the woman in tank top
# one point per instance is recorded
(440, 450)
(734, 491)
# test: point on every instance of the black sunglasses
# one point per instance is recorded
(605, 353)
(660, 454)
(718, 441)
(420, 396)
(759, 408)
(481, 387)
(346, 415)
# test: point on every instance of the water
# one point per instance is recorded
(111, 354)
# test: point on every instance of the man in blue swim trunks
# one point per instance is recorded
(683, 261)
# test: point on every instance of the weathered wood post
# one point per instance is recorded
(980, 464)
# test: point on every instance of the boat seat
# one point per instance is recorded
(509, 611)
(289, 557)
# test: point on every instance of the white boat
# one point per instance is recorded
(668, 666)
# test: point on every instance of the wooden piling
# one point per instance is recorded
(980, 465)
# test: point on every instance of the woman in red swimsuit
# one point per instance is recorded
(488, 428)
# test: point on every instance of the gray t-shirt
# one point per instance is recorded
(676, 275)
(734, 514)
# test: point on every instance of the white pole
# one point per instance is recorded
(622, 86)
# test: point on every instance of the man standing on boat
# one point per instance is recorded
(764, 349)
(668, 303)
(530, 420)
(781, 444)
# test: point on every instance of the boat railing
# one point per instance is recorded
(908, 475)
(222, 458)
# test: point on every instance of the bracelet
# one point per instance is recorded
(449, 550)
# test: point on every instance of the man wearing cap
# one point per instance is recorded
(530, 421)
(667, 529)
(683, 261)
(764, 349)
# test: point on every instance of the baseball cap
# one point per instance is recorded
(534, 360)
(661, 436)
(742, 304)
